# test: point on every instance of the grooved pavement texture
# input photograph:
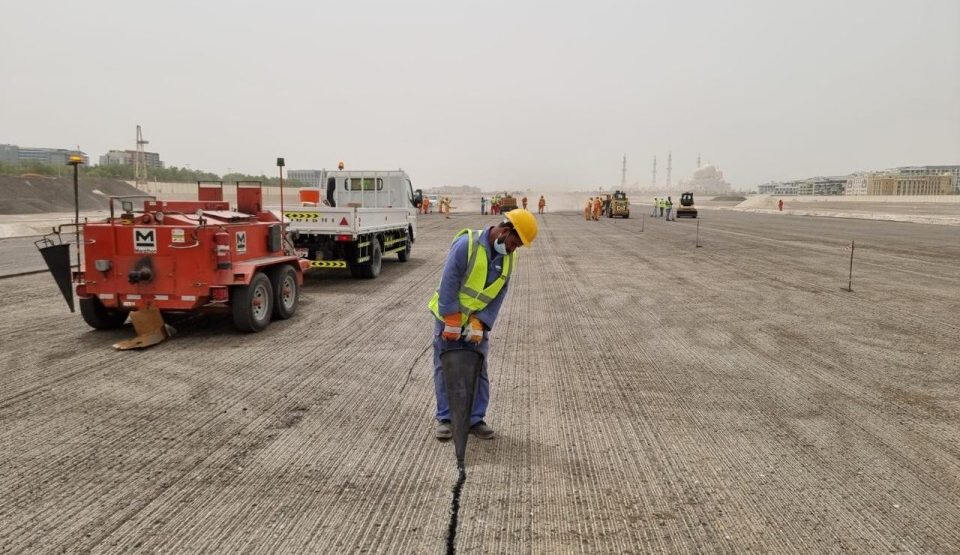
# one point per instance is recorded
(649, 396)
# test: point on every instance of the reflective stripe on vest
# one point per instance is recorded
(473, 296)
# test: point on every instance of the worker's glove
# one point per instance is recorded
(451, 327)
(474, 331)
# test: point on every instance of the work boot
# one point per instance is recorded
(444, 430)
(481, 430)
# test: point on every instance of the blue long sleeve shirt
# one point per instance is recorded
(454, 273)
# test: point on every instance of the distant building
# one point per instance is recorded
(310, 178)
(820, 186)
(856, 184)
(128, 157)
(918, 171)
(896, 183)
(13, 154)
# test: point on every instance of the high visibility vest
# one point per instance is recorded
(474, 294)
(669, 204)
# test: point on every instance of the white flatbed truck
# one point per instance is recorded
(353, 219)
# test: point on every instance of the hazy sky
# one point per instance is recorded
(540, 94)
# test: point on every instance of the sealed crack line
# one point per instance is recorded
(414, 365)
(455, 509)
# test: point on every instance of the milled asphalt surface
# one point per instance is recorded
(650, 397)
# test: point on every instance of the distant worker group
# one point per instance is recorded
(663, 206)
(443, 206)
(594, 209)
(497, 205)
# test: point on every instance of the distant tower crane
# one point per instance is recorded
(140, 160)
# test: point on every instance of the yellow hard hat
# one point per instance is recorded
(525, 224)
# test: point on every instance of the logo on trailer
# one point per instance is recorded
(241, 242)
(145, 239)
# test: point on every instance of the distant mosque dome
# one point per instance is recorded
(706, 179)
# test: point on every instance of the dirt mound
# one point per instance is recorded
(35, 194)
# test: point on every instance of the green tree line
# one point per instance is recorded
(170, 174)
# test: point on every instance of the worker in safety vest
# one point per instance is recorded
(656, 203)
(662, 204)
(541, 204)
(669, 205)
(465, 306)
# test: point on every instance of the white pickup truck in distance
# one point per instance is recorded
(353, 219)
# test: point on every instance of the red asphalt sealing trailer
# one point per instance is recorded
(182, 256)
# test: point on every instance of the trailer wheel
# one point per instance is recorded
(252, 304)
(286, 292)
(371, 268)
(627, 215)
(100, 317)
(404, 255)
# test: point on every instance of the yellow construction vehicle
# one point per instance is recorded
(686, 207)
(617, 206)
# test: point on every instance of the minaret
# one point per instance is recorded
(669, 167)
(698, 160)
(623, 174)
(654, 184)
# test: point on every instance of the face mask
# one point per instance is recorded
(500, 246)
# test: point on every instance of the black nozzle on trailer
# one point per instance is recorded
(57, 257)
(461, 372)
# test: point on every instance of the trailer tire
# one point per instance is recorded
(252, 304)
(286, 292)
(404, 255)
(371, 268)
(100, 317)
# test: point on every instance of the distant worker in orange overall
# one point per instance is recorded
(780, 205)
(596, 209)
(426, 205)
(587, 209)
(524, 201)
(541, 204)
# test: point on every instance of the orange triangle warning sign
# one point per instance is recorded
(344, 222)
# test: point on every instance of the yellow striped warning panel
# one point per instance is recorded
(302, 215)
(328, 263)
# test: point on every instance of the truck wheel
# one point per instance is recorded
(252, 304)
(100, 317)
(404, 255)
(286, 292)
(627, 215)
(371, 268)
